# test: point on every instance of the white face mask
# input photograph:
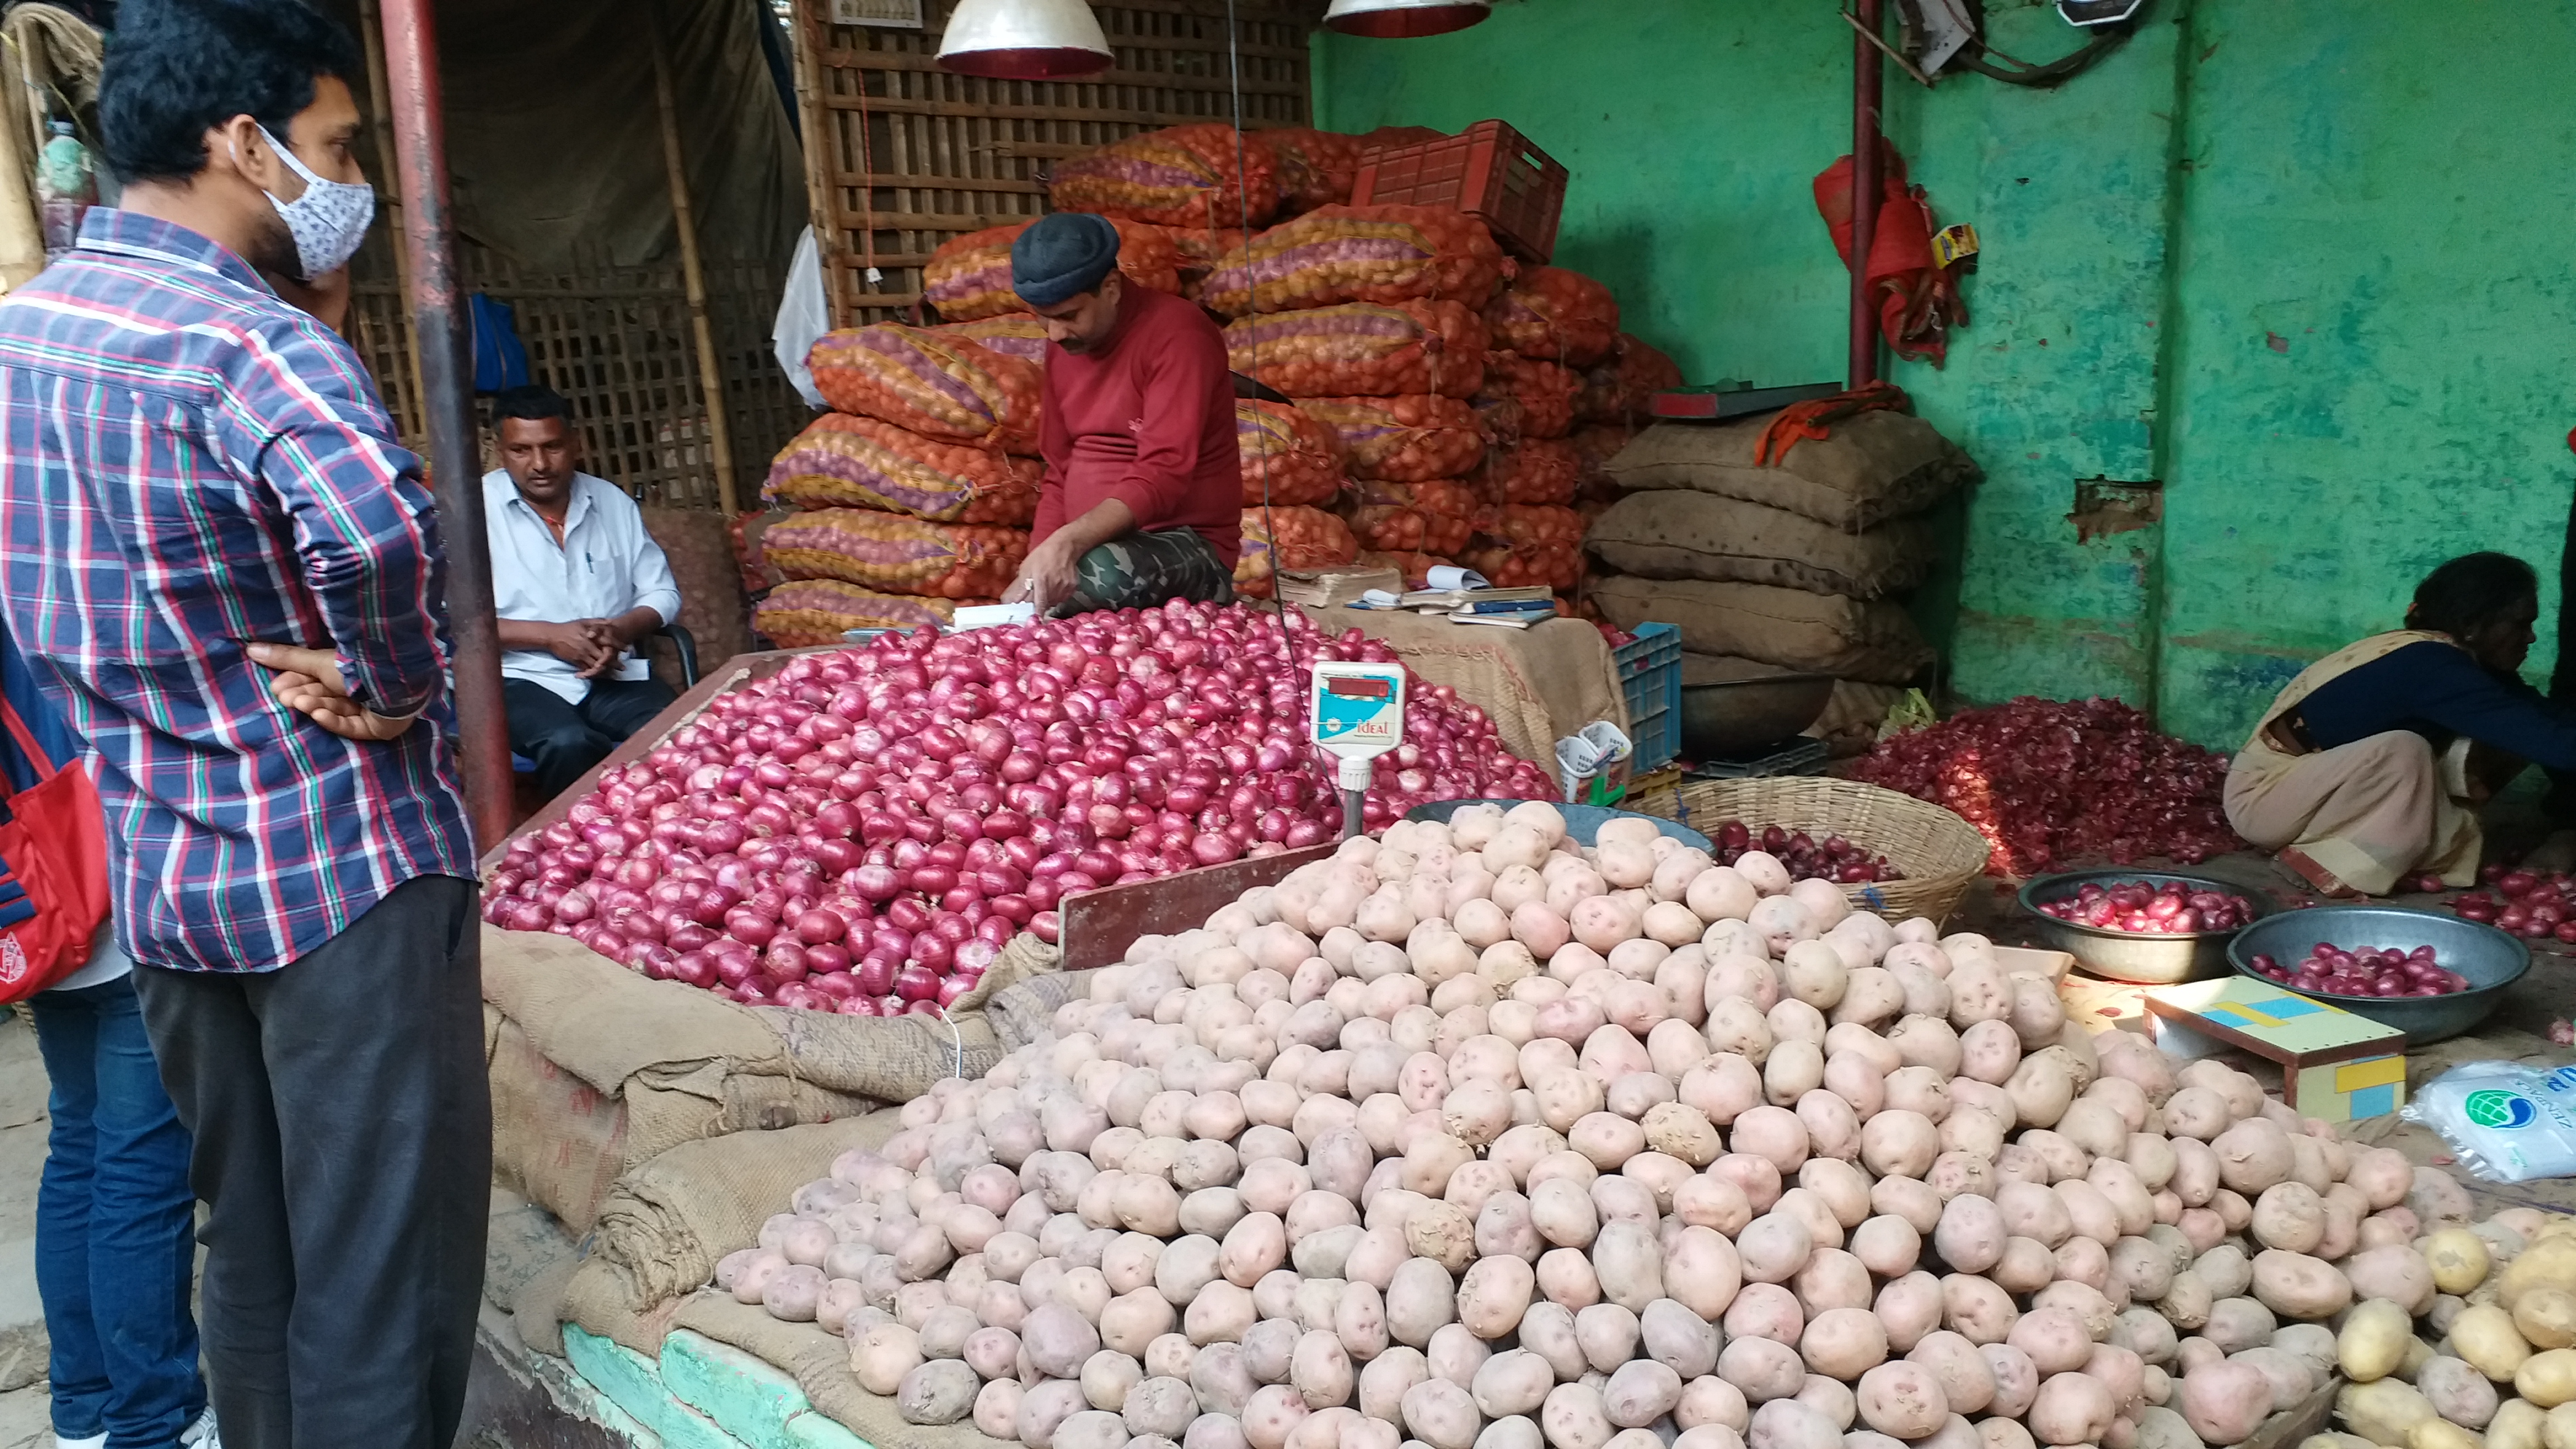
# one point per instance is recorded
(328, 221)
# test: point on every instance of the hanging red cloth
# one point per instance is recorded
(1918, 299)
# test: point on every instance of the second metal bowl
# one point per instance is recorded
(2131, 955)
(2491, 959)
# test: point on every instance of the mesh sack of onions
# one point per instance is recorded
(897, 554)
(2048, 782)
(1544, 392)
(969, 278)
(1289, 456)
(935, 383)
(1013, 334)
(1620, 390)
(1181, 176)
(1415, 565)
(1403, 439)
(1436, 516)
(1316, 168)
(862, 831)
(1308, 538)
(803, 612)
(1359, 254)
(1594, 445)
(1534, 470)
(1527, 565)
(1204, 249)
(842, 461)
(1545, 524)
(1556, 315)
(1363, 349)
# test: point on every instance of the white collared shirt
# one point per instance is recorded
(606, 565)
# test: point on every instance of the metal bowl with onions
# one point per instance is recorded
(2153, 959)
(2490, 960)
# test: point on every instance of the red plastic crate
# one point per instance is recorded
(1489, 171)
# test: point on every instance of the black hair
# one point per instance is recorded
(2470, 592)
(529, 402)
(177, 68)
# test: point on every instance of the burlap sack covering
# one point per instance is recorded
(596, 1070)
(1540, 684)
(712, 606)
(1875, 467)
(820, 1364)
(1874, 641)
(1674, 534)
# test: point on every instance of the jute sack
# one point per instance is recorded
(1876, 466)
(1669, 534)
(1873, 641)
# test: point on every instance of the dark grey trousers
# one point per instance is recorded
(344, 1150)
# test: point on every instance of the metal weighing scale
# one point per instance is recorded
(1358, 714)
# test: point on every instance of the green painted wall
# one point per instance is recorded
(2306, 264)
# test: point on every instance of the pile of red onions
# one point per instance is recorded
(1834, 858)
(2143, 908)
(863, 831)
(2331, 971)
(2046, 781)
(2534, 906)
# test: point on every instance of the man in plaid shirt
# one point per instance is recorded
(228, 577)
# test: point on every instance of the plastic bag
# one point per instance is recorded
(2506, 1122)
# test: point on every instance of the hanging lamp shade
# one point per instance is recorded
(1404, 19)
(1024, 40)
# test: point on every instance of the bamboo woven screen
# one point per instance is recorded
(616, 342)
(913, 155)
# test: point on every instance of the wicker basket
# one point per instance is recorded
(1939, 853)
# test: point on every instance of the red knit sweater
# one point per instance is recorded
(1146, 418)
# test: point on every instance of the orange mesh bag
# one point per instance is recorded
(1179, 176)
(1316, 168)
(1308, 538)
(897, 554)
(1594, 446)
(1294, 456)
(1621, 389)
(1538, 470)
(1437, 516)
(1403, 439)
(1413, 564)
(935, 383)
(1359, 254)
(1555, 315)
(969, 279)
(846, 462)
(818, 611)
(1527, 566)
(1204, 249)
(1013, 334)
(1545, 392)
(1363, 349)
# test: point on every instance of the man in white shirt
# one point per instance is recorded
(576, 581)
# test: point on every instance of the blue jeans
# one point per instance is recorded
(115, 1227)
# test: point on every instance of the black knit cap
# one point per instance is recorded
(1062, 256)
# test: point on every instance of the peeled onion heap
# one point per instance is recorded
(1472, 1138)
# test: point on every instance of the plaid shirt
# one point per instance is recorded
(188, 464)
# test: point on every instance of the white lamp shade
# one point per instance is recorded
(1404, 19)
(1024, 40)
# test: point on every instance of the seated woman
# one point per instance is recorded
(2370, 766)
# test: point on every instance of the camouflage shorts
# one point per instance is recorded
(1141, 570)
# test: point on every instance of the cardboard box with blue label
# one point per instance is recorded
(2335, 1066)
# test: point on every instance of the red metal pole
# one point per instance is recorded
(447, 409)
(1868, 73)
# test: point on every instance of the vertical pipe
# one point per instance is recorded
(371, 23)
(447, 410)
(822, 138)
(693, 276)
(1868, 75)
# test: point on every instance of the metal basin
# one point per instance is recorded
(1742, 715)
(2127, 956)
(2491, 959)
(1581, 821)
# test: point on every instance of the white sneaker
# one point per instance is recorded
(201, 1434)
(94, 1441)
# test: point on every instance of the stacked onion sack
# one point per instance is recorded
(1795, 564)
(913, 496)
(1473, 1138)
(863, 831)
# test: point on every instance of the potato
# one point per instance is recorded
(1843, 1343)
(2072, 1408)
(2547, 1378)
(2546, 1316)
(2383, 1411)
(1791, 1424)
(1762, 1369)
(1902, 1400)
(2054, 1338)
(1516, 1381)
(2517, 1425)
(1976, 1309)
(2298, 1286)
(1640, 1392)
(1702, 1271)
(2398, 1274)
(2289, 1216)
(1910, 1307)
(1573, 1418)
(881, 1356)
(2457, 1391)
(2224, 1402)
(2373, 1341)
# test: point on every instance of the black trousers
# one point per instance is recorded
(565, 740)
(344, 1150)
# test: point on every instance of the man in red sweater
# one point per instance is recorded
(1142, 500)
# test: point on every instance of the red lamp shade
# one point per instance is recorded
(1404, 19)
(1024, 40)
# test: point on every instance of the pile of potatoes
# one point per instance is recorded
(2500, 1367)
(1474, 1138)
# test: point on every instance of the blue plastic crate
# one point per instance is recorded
(1650, 670)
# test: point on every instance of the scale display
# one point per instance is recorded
(1357, 715)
